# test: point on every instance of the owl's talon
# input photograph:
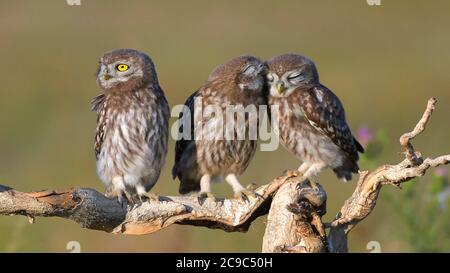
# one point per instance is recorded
(123, 202)
(246, 195)
(118, 196)
(120, 200)
(293, 173)
(252, 187)
(148, 196)
(203, 196)
(312, 184)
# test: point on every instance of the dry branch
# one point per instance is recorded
(295, 207)
(363, 199)
(93, 210)
(294, 221)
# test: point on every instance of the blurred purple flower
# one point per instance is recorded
(364, 135)
(443, 197)
(441, 171)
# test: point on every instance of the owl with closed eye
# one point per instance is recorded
(132, 125)
(311, 118)
(206, 152)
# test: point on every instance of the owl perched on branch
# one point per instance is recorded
(132, 124)
(312, 121)
(208, 153)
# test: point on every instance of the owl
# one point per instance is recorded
(207, 153)
(132, 125)
(311, 119)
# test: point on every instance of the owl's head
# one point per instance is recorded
(246, 72)
(287, 72)
(125, 70)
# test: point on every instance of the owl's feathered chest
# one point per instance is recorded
(229, 135)
(131, 135)
(222, 157)
(289, 115)
(296, 134)
(121, 120)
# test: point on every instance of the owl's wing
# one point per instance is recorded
(182, 144)
(97, 105)
(324, 111)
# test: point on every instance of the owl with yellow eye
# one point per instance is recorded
(132, 125)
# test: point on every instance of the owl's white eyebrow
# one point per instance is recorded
(247, 67)
(295, 74)
(121, 62)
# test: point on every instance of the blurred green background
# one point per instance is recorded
(384, 62)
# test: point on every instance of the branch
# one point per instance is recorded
(93, 210)
(363, 199)
(294, 222)
(405, 139)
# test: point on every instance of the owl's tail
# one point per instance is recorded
(345, 171)
(187, 183)
(188, 186)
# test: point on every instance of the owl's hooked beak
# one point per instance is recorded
(106, 76)
(280, 87)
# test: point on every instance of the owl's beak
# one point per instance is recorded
(280, 87)
(106, 76)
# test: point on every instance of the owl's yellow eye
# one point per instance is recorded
(122, 67)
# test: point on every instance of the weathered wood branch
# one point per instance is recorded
(93, 210)
(294, 221)
(364, 198)
(295, 206)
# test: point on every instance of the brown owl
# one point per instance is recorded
(311, 118)
(207, 152)
(132, 124)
